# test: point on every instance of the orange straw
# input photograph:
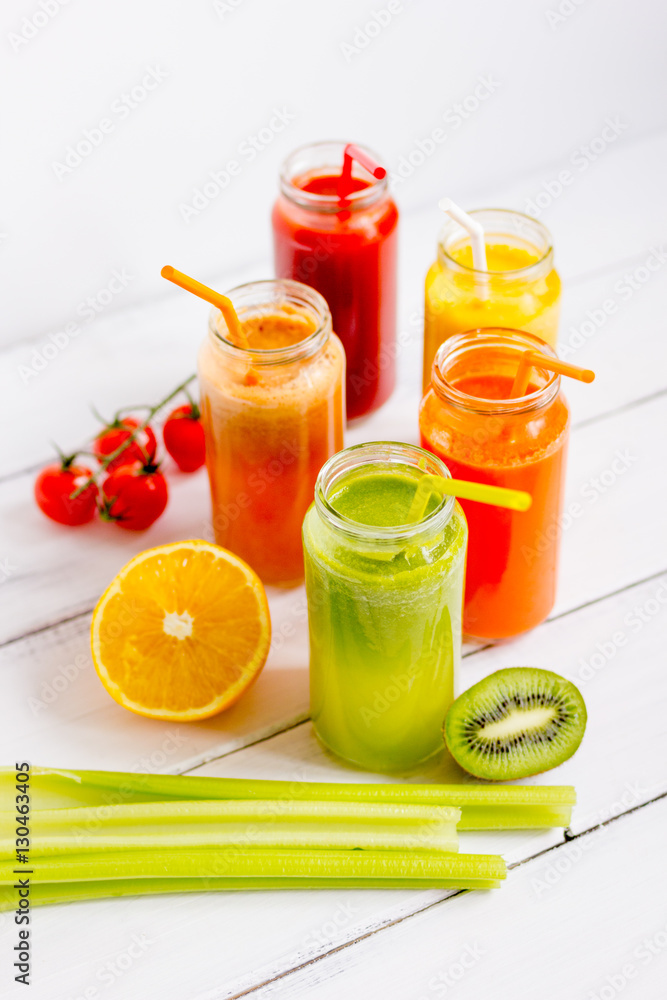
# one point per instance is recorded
(533, 359)
(236, 332)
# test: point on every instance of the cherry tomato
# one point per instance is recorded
(142, 449)
(54, 486)
(135, 496)
(184, 437)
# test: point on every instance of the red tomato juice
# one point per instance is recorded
(347, 251)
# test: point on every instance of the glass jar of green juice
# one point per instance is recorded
(384, 606)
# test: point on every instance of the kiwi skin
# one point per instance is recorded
(518, 752)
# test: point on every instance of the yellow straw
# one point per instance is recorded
(533, 359)
(498, 496)
(236, 332)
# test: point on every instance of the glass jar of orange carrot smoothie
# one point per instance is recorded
(520, 290)
(467, 420)
(273, 414)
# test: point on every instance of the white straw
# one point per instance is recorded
(476, 233)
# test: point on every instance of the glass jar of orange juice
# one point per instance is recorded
(520, 290)
(468, 420)
(273, 414)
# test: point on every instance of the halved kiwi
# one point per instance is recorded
(516, 722)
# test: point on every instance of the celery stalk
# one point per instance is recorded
(71, 892)
(483, 806)
(296, 866)
(247, 823)
(513, 817)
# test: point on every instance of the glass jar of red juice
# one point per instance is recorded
(345, 247)
(467, 420)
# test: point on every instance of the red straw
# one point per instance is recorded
(350, 153)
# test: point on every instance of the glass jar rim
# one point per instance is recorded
(484, 338)
(381, 453)
(546, 251)
(266, 291)
(329, 203)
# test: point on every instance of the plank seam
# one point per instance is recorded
(438, 902)
(581, 607)
(632, 405)
(541, 169)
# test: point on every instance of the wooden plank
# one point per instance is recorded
(61, 721)
(609, 540)
(50, 398)
(50, 685)
(619, 767)
(596, 927)
(240, 941)
(611, 649)
(119, 359)
(53, 574)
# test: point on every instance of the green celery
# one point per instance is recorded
(483, 806)
(297, 867)
(71, 892)
(248, 823)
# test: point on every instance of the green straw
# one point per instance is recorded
(498, 496)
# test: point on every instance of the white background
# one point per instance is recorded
(228, 65)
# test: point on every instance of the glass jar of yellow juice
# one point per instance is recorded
(519, 290)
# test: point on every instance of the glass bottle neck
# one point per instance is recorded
(492, 354)
(380, 456)
(506, 228)
(274, 298)
(308, 165)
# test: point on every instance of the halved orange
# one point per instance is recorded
(181, 632)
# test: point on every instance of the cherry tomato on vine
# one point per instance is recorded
(135, 496)
(54, 487)
(142, 449)
(184, 437)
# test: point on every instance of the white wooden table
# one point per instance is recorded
(582, 914)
